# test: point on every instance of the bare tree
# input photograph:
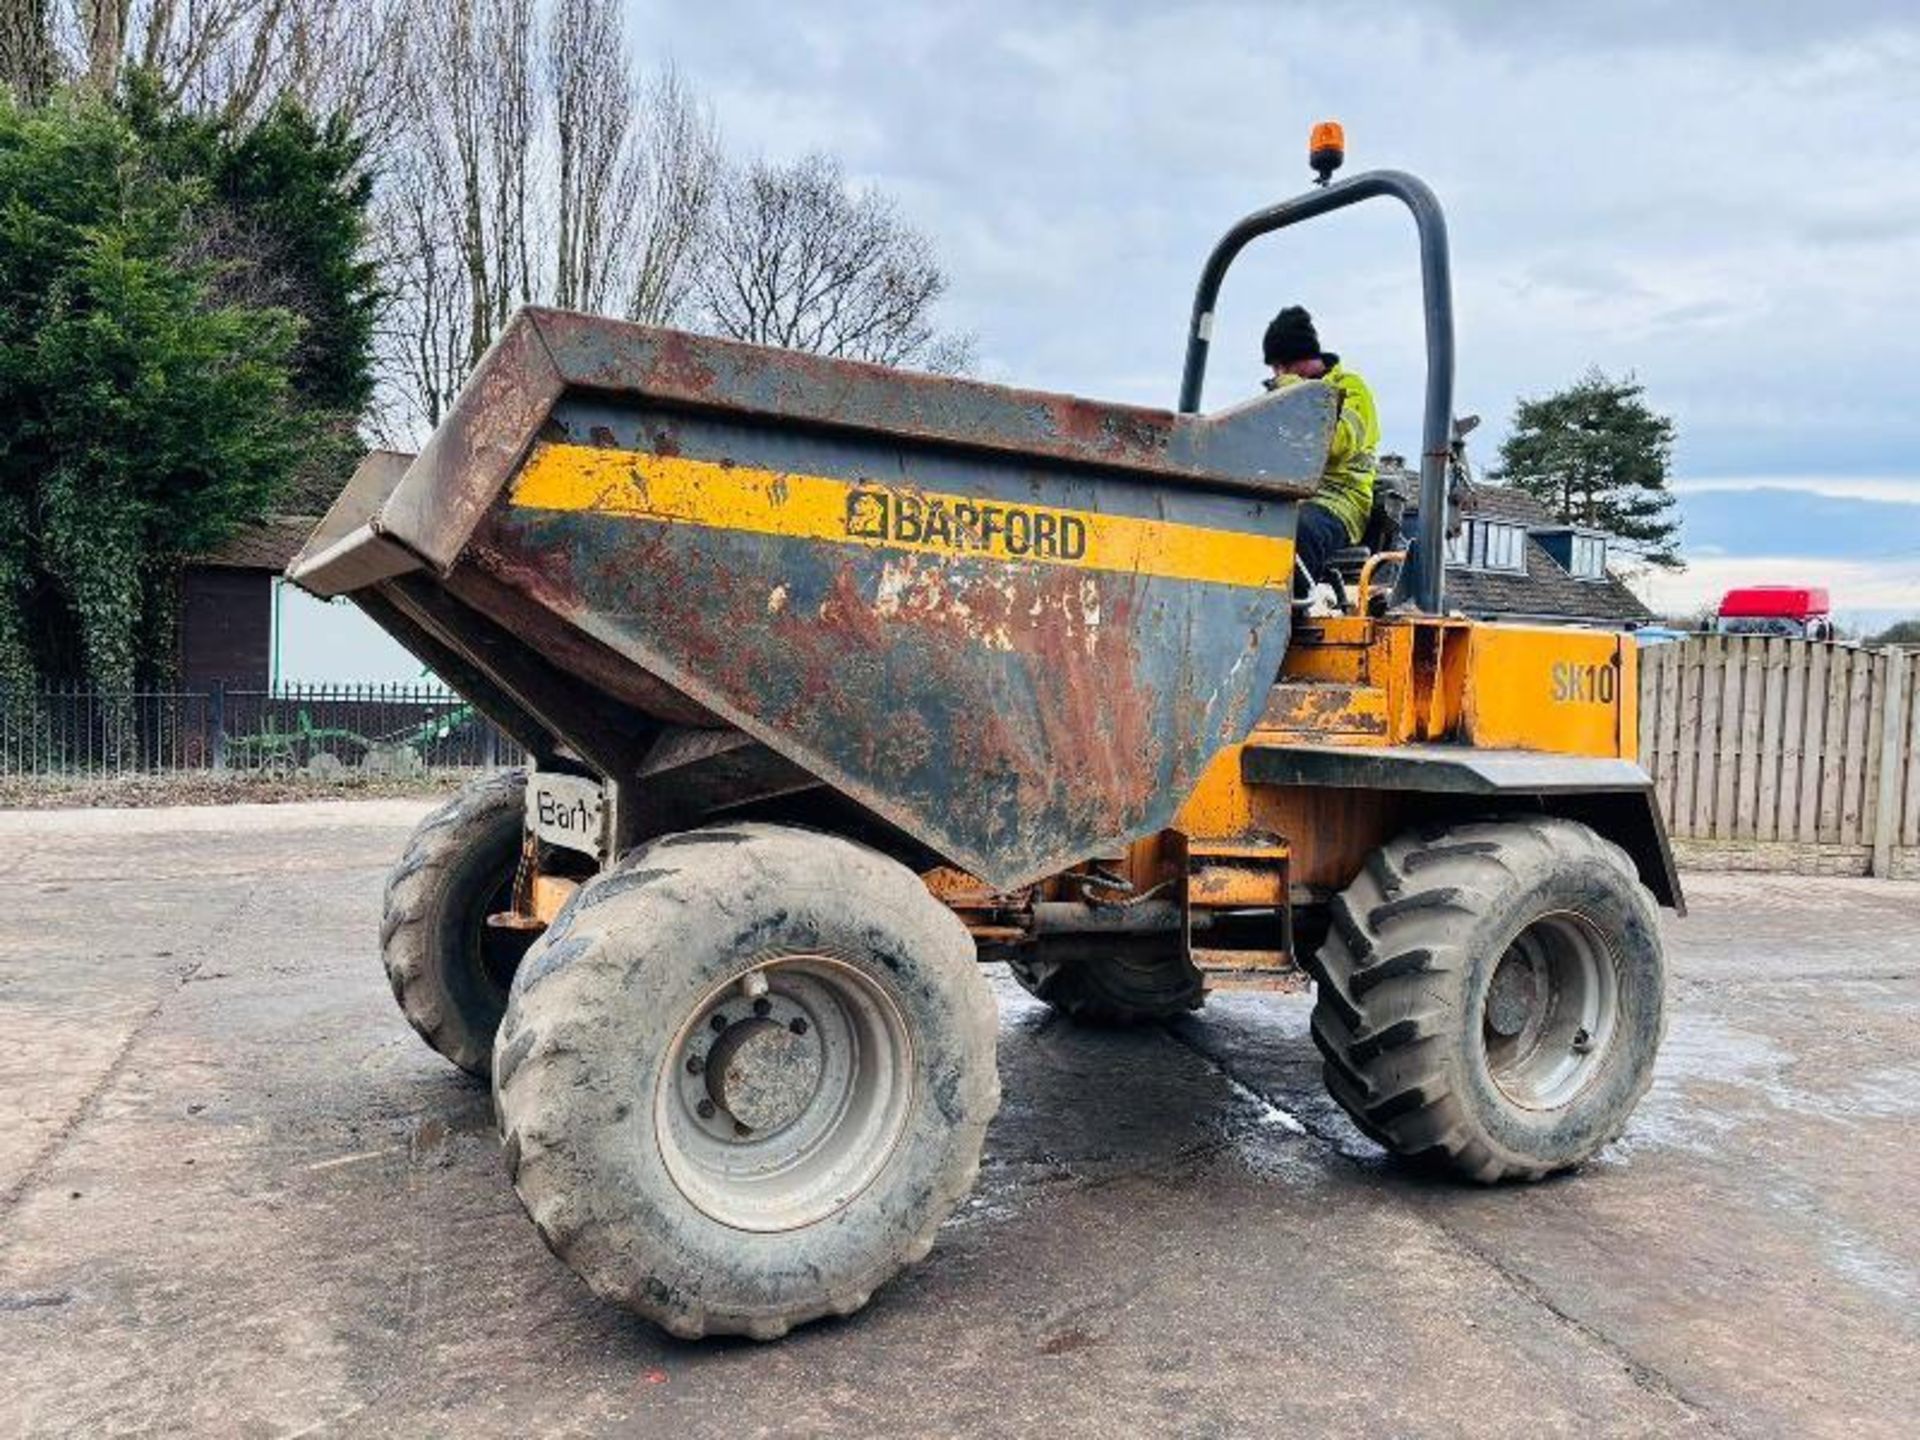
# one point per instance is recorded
(462, 182)
(103, 32)
(592, 94)
(461, 211)
(226, 57)
(217, 56)
(26, 49)
(520, 157)
(512, 123)
(422, 343)
(637, 167)
(795, 257)
(678, 163)
(528, 164)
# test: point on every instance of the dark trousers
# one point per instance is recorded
(1320, 533)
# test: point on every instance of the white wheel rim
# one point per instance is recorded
(816, 1058)
(1550, 1012)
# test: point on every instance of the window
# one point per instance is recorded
(1489, 545)
(1589, 557)
(1500, 547)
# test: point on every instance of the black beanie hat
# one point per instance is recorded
(1291, 337)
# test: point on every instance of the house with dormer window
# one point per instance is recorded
(1512, 560)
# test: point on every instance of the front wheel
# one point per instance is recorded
(744, 1076)
(1490, 996)
(448, 968)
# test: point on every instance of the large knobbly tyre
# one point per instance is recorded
(450, 970)
(1122, 982)
(744, 1076)
(1490, 996)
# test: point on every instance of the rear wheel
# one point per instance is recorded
(448, 968)
(1490, 996)
(1109, 980)
(745, 1076)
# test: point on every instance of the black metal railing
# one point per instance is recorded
(326, 731)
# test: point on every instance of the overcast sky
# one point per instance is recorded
(1722, 197)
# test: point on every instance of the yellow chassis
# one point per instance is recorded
(1373, 725)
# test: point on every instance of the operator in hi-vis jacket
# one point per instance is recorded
(1336, 516)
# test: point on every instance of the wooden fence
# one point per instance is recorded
(1771, 753)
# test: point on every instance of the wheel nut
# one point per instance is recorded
(705, 1107)
(695, 1064)
(719, 1022)
(797, 1025)
(740, 1127)
(762, 1006)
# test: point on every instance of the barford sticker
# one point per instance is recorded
(1017, 532)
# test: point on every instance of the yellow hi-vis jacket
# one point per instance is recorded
(1346, 485)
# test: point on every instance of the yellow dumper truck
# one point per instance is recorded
(836, 680)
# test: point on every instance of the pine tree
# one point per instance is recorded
(1596, 454)
(182, 330)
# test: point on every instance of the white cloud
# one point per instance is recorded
(1898, 489)
(1718, 195)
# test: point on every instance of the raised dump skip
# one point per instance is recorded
(1014, 626)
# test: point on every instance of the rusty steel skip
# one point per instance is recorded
(1014, 626)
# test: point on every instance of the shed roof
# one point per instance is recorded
(266, 545)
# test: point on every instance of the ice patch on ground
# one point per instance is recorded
(1703, 1050)
(1264, 1110)
(1850, 1254)
(1700, 1049)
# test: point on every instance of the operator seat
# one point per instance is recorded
(1393, 488)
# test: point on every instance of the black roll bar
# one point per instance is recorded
(1437, 289)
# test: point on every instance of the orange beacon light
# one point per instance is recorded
(1326, 148)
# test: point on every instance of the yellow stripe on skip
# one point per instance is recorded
(725, 496)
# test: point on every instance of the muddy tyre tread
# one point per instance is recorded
(1111, 994)
(547, 1077)
(417, 888)
(1399, 948)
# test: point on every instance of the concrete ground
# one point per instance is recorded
(237, 1197)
